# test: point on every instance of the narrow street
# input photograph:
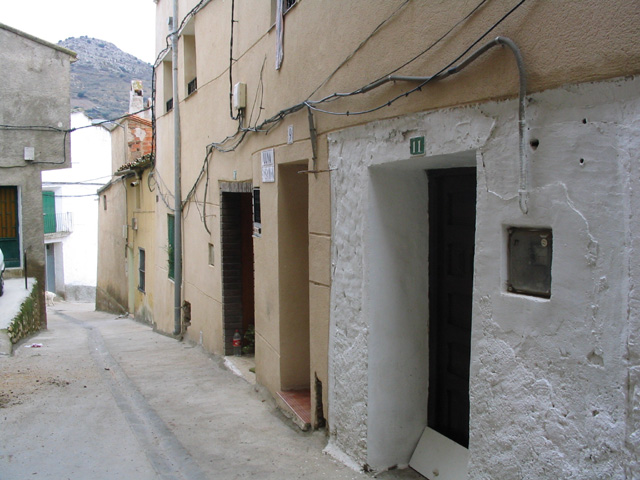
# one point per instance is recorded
(108, 398)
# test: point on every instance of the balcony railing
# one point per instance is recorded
(58, 222)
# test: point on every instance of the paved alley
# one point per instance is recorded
(108, 398)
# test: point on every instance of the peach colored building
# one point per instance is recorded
(127, 219)
(424, 209)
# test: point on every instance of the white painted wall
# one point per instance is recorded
(549, 389)
(76, 192)
(396, 263)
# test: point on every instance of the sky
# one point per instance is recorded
(128, 24)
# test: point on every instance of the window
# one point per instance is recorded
(530, 251)
(286, 5)
(170, 244)
(257, 216)
(192, 86)
(190, 65)
(104, 202)
(141, 269)
(212, 258)
(167, 80)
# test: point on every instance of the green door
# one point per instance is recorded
(9, 238)
(49, 211)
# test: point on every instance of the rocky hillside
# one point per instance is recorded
(101, 77)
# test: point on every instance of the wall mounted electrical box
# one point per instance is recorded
(240, 96)
(29, 154)
(530, 252)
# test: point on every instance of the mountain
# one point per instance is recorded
(101, 77)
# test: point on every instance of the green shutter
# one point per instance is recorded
(49, 211)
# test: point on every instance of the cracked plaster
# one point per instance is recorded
(554, 382)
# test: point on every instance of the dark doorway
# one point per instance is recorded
(452, 216)
(51, 268)
(237, 265)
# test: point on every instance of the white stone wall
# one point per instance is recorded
(553, 381)
(75, 189)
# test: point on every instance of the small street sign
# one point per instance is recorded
(268, 166)
(416, 145)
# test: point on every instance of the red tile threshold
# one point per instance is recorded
(299, 401)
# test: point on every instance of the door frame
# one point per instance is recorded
(395, 264)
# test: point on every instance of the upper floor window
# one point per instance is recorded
(167, 80)
(286, 5)
(141, 269)
(190, 64)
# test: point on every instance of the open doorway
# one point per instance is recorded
(443, 447)
(237, 263)
(293, 255)
(452, 216)
(402, 246)
(50, 268)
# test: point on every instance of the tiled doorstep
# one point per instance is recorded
(298, 402)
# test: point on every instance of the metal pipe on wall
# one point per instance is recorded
(177, 233)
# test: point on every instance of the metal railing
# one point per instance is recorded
(58, 222)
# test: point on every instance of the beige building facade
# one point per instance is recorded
(322, 188)
(127, 221)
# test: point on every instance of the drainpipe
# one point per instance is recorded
(177, 239)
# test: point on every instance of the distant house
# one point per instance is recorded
(34, 114)
(126, 216)
(70, 206)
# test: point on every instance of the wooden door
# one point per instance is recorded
(452, 212)
(9, 231)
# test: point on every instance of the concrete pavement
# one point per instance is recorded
(108, 398)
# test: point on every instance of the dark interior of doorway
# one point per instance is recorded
(452, 215)
(237, 265)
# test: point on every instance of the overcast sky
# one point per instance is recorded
(129, 24)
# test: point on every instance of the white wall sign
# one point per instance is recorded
(268, 166)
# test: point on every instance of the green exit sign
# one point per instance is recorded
(416, 145)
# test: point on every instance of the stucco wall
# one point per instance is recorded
(34, 92)
(562, 42)
(111, 290)
(142, 237)
(549, 377)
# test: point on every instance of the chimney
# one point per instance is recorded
(136, 100)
